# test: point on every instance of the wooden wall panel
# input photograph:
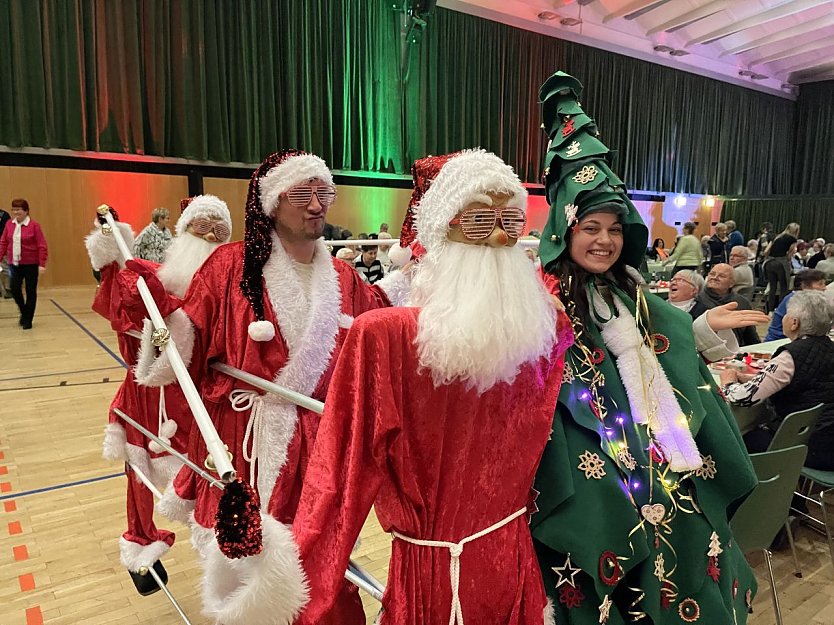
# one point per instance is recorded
(63, 201)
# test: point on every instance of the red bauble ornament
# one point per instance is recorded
(610, 570)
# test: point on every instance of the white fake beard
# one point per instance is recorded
(484, 313)
(183, 258)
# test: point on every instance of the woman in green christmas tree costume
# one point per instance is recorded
(645, 462)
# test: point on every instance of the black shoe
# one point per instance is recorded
(145, 583)
(7, 296)
(27, 325)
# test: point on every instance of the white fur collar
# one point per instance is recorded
(310, 333)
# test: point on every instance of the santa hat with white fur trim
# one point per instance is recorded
(276, 175)
(204, 207)
(463, 178)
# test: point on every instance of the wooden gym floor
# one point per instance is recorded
(63, 505)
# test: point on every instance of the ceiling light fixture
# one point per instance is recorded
(548, 15)
(570, 21)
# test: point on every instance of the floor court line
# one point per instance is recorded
(60, 385)
(46, 489)
(47, 375)
(90, 334)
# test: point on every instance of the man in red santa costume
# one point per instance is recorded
(203, 226)
(443, 428)
(278, 306)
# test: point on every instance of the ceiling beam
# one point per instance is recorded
(812, 74)
(783, 10)
(803, 67)
(813, 46)
(691, 16)
(793, 31)
(631, 7)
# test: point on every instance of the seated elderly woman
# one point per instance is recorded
(713, 328)
(800, 375)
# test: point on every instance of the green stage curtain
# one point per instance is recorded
(814, 169)
(815, 215)
(231, 81)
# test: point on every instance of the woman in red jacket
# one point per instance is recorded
(23, 241)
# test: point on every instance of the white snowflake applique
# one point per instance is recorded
(605, 609)
(592, 465)
(570, 213)
(659, 567)
(626, 459)
(707, 469)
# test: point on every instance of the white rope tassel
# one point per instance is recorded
(455, 551)
(243, 400)
(165, 427)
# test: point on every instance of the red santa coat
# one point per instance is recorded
(436, 463)
(143, 543)
(213, 325)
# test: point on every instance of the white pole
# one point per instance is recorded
(270, 387)
(390, 242)
(185, 459)
(144, 479)
(168, 594)
(359, 582)
(215, 446)
(367, 576)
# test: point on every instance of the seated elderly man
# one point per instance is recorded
(800, 375)
(808, 280)
(742, 273)
(713, 328)
(717, 292)
(827, 265)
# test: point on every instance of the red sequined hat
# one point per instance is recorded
(274, 176)
(423, 172)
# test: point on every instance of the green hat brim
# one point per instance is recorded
(558, 82)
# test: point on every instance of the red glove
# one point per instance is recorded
(166, 302)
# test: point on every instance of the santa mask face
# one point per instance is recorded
(302, 210)
(488, 220)
(184, 257)
(210, 229)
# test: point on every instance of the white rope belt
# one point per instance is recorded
(455, 550)
(243, 400)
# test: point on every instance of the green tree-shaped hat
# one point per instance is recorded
(577, 174)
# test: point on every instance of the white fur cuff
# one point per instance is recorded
(153, 370)
(397, 286)
(261, 331)
(174, 507)
(135, 556)
(113, 446)
(102, 248)
(268, 589)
